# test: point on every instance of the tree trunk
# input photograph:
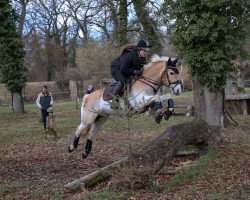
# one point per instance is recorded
(22, 16)
(208, 105)
(240, 86)
(148, 24)
(229, 86)
(122, 32)
(18, 106)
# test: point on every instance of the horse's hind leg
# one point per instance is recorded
(76, 137)
(95, 127)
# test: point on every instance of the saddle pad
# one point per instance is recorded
(108, 92)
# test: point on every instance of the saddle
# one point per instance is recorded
(108, 93)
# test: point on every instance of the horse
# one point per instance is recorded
(95, 110)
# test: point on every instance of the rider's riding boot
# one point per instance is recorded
(117, 94)
(158, 113)
(118, 89)
(170, 110)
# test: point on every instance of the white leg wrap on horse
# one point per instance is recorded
(71, 147)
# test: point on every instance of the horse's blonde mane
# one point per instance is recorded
(156, 58)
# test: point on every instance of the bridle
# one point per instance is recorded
(156, 85)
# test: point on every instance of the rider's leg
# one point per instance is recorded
(121, 81)
(118, 89)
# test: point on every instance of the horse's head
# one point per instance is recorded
(162, 71)
(170, 76)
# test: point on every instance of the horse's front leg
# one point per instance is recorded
(168, 110)
(160, 112)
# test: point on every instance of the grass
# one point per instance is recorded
(36, 166)
(247, 89)
(108, 195)
(193, 172)
(43, 162)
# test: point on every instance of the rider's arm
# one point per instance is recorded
(126, 65)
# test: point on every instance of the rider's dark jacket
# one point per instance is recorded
(128, 62)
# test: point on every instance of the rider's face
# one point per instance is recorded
(143, 53)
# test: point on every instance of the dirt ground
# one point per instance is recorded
(35, 165)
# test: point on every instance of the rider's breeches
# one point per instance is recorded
(45, 115)
(118, 76)
(121, 81)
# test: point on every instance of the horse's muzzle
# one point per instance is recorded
(176, 87)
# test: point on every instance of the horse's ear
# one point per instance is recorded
(175, 61)
(169, 61)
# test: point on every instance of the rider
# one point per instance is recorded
(130, 63)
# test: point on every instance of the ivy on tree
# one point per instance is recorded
(209, 34)
(12, 69)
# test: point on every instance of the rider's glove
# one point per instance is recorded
(137, 72)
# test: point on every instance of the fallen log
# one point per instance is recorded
(159, 152)
(162, 149)
(102, 173)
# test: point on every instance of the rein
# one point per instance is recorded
(152, 83)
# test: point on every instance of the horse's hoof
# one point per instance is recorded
(84, 155)
(158, 119)
(167, 115)
(70, 149)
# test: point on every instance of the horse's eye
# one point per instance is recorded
(171, 73)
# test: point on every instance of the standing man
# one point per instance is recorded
(44, 101)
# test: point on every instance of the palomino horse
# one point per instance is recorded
(94, 111)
